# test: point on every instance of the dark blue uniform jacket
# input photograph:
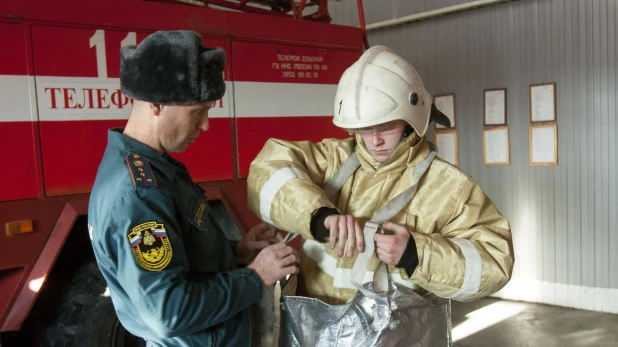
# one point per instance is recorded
(170, 271)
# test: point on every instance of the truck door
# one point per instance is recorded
(18, 117)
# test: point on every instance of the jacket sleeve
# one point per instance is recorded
(471, 256)
(155, 275)
(285, 183)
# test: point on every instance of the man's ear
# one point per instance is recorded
(155, 108)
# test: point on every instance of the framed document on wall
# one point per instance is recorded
(544, 145)
(446, 104)
(495, 107)
(446, 140)
(543, 103)
(496, 146)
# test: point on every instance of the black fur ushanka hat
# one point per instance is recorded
(172, 67)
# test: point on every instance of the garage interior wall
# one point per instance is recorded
(564, 218)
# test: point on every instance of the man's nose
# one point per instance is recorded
(204, 123)
(376, 139)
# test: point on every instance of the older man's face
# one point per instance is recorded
(180, 126)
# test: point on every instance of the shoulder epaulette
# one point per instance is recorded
(140, 171)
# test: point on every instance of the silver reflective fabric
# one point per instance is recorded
(402, 318)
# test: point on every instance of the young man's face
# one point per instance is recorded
(382, 139)
(180, 126)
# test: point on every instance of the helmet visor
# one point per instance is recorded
(379, 128)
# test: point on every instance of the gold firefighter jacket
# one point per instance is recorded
(464, 244)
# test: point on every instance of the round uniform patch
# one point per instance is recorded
(150, 245)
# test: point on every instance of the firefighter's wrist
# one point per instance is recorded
(409, 258)
(317, 228)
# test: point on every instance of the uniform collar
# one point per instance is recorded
(409, 153)
(164, 162)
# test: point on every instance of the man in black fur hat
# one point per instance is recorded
(172, 274)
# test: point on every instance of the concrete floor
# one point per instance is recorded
(503, 323)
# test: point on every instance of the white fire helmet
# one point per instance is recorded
(381, 87)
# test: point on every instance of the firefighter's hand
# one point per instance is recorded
(345, 228)
(390, 248)
(258, 238)
(275, 262)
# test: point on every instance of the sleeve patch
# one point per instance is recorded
(150, 245)
(141, 172)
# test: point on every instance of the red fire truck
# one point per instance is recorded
(59, 93)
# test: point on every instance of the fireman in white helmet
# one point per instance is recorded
(449, 239)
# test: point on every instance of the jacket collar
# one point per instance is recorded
(164, 162)
(408, 154)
